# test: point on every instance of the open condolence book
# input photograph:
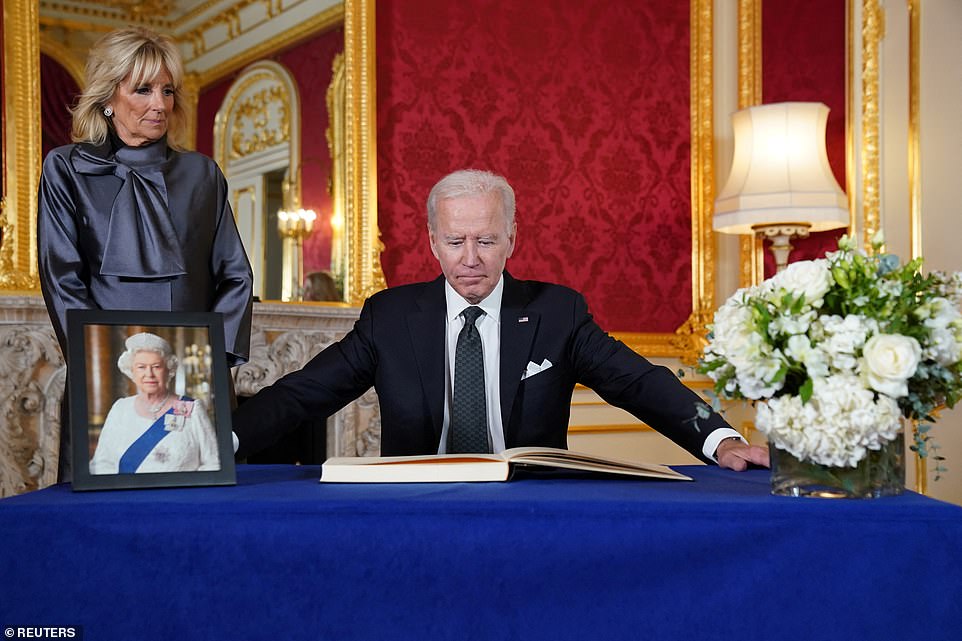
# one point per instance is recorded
(450, 468)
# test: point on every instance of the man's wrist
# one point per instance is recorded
(714, 440)
(725, 440)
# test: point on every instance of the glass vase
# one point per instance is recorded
(880, 473)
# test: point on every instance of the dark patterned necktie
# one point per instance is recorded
(468, 431)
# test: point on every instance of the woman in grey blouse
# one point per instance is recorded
(128, 220)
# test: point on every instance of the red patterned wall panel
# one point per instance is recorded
(310, 64)
(582, 105)
(803, 59)
(58, 93)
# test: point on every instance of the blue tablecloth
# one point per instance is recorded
(281, 556)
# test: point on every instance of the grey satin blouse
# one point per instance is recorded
(141, 228)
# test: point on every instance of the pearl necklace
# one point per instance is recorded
(155, 410)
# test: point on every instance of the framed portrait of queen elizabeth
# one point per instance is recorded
(149, 399)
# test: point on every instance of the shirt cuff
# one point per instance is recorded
(236, 441)
(716, 437)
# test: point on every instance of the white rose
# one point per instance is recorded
(811, 278)
(888, 361)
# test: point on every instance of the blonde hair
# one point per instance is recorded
(136, 55)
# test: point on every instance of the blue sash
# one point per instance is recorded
(144, 445)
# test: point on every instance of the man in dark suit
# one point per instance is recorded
(525, 347)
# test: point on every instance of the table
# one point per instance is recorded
(281, 556)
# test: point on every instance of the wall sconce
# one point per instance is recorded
(294, 226)
(781, 185)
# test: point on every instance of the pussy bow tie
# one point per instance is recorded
(141, 241)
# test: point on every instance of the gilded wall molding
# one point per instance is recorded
(253, 128)
(365, 276)
(317, 23)
(260, 111)
(336, 133)
(749, 53)
(751, 259)
(689, 339)
(914, 150)
(21, 146)
(872, 28)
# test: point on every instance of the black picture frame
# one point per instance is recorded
(96, 386)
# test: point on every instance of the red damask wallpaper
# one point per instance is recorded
(803, 59)
(58, 93)
(310, 64)
(583, 105)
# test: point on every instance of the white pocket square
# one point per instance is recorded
(533, 368)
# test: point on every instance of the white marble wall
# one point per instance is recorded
(32, 377)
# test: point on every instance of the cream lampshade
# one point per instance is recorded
(781, 185)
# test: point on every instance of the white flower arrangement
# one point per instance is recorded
(838, 350)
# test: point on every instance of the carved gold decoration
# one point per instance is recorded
(750, 248)
(189, 95)
(336, 132)
(322, 21)
(851, 118)
(872, 29)
(21, 146)
(257, 131)
(689, 340)
(248, 115)
(749, 53)
(94, 19)
(365, 276)
(915, 156)
(915, 183)
(111, 10)
(250, 129)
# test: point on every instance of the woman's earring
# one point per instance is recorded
(108, 111)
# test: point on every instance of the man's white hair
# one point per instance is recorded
(471, 182)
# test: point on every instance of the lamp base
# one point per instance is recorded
(781, 235)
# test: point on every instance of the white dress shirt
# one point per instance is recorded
(489, 327)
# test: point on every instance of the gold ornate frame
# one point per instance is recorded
(361, 196)
(21, 146)
(360, 150)
(865, 160)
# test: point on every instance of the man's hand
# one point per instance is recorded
(738, 455)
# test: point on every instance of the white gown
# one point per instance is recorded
(189, 446)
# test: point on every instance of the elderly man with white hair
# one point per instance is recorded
(155, 430)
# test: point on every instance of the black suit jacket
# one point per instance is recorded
(398, 346)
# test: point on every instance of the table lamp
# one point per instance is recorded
(781, 185)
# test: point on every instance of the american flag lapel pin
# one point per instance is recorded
(523, 319)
